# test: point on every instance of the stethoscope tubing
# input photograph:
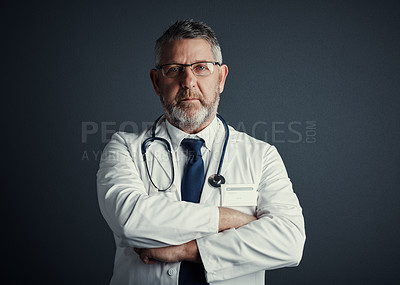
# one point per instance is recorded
(221, 161)
(215, 180)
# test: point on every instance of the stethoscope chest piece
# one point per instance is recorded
(216, 180)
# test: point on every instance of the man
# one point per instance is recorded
(171, 226)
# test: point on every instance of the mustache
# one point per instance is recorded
(189, 94)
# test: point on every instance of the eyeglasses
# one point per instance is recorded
(173, 70)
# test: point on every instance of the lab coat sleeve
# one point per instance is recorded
(275, 240)
(138, 219)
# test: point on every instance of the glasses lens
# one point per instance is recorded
(199, 69)
(203, 68)
(172, 70)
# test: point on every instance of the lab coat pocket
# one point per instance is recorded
(241, 197)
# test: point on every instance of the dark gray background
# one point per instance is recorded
(333, 62)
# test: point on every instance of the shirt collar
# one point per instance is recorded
(207, 134)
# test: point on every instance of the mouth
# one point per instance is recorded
(189, 96)
(189, 99)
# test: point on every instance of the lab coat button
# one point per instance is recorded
(171, 271)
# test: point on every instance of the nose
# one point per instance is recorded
(188, 79)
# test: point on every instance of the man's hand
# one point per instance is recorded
(174, 253)
(230, 218)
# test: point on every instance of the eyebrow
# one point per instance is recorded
(201, 60)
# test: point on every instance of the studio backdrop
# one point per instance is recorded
(317, 79)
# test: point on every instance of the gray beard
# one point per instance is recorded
(177, 114)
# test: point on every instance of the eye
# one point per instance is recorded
(173, 69)
(200, 67)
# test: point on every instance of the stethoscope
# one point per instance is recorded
(215, 180)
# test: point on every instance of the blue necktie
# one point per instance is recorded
(193, 176)
(192, 182)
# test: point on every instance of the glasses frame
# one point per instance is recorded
(158, 67)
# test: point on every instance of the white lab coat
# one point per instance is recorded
(140, 216)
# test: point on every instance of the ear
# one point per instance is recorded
(223, 73)
(154, 80)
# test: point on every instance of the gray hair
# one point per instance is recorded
(188, 29)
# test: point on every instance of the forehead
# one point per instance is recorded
(186, 51)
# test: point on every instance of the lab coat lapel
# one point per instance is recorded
(212, 195)
(162, 164)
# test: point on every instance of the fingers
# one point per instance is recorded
(144, 255)
(147, 260)
(161, 254)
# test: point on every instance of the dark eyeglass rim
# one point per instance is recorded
(185, 65)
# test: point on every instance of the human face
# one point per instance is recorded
(190, 102)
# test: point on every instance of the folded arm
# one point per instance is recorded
(138, 219)
(274, 240)
(228, 219)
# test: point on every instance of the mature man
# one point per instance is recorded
(171, 224)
